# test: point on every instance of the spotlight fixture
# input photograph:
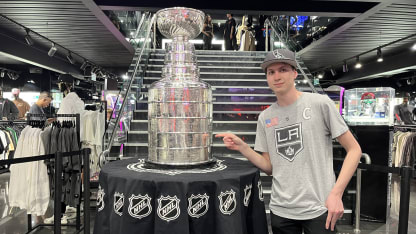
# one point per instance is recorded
(84, 65)
(52, 50)
(358, 65)
(321, 75)
(379, 55)
(70, 58)
(2, 73)
(28, 38)
(345, 67)
(414, 46)
(333, 72)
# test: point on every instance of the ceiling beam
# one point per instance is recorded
(344, 27)
(90, 4)
(393, 64)
(20, 51)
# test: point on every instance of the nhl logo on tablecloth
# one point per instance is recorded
(227, 202)
(118, 203)
(100, 198)
(139, 206)
(261, 196)
(198, 205)
(247, 194)
(168, 208)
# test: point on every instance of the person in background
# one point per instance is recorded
(21, 105)
(43, 101)
(208, 31)
(229, 33)
(294, 137)
(403, 113)
(8, 110)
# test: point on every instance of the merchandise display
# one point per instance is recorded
(369, 106)
(224, 199)
(180, 105)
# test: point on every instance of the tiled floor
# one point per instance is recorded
(15, 222)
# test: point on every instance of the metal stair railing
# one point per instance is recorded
(125, 95)
(291, 45)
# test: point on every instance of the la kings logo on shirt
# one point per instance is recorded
(227, 202)
(118, 203)
(247, 194)
(168, 208)
(289, 141)
(139, 206)
(198, 205)
(100, 198)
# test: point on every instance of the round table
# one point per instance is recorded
(227, 198)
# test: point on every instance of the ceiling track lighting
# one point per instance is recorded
(28, 38)
(379, 55)
(414, 47)
(321, 75)
(2, 73)
(70, 58)
(52, 50)
(345, 67)
(358, 64)
(84, 65)
(333, 71)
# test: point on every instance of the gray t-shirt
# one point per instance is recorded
(35, 109)
(298, 139)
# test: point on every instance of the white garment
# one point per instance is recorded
(29, 182)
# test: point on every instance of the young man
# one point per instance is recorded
(294, 136)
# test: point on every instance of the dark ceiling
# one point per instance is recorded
(82, 27)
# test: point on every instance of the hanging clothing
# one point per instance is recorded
(29, 182)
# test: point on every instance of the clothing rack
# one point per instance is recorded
(58, 189)
(77, 116)
(5, 168)
(404, 127)
(77, 125)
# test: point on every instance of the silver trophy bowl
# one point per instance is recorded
(180, 22)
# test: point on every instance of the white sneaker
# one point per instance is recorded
(48, 220)
(70, 213)
(64, 220)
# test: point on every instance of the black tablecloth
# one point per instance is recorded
(225, 199)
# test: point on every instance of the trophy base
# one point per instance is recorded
(203, 165)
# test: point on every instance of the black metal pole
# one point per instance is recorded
(406, 173)
(29, 223)
(58, 193)
(86, 153)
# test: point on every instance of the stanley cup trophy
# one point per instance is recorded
(180, 105)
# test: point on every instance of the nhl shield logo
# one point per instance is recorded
(139, 206)
(118, 203)
(198, 205)
(168, 208)
(227, 202)
(260, 186)
(100, 198)
(247, 194)
(289, 141)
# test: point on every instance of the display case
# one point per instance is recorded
(369, 106)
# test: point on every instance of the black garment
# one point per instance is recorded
(230, 44)
(8, 109)
(207, 39)
(140, 211)
(282, 225)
